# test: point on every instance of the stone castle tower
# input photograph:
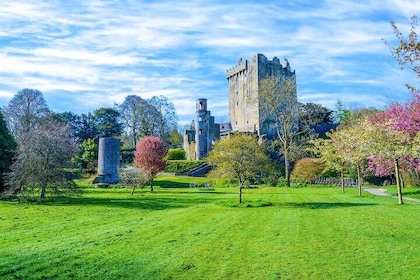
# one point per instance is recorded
(244, 105)
(244, 80)
(202, 133)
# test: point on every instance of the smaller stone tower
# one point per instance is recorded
(108, 160)
(202, 128)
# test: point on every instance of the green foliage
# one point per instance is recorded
(86, 156)
(175, 154)
(187, 234)
(182, 166)
(7, 150)
(306, 170)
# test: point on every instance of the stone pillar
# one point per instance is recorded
(108, 160)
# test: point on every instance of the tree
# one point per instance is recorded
(307, 170)
(280, 113)
(166, 118)
(107, 122)
(393, 135)
(175, 138)
(328, 152)
(25, 112)
(86, 155)
(341, 113)
(7, 150)
(407, 53)
(351, 146)
(133, 112)
(149, 157)
(41, 159)
(313, 114)
(241, 157)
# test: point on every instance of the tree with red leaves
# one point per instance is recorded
(149, 157)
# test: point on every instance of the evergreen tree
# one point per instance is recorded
(7, 150)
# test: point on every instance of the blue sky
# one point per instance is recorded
(85, 54)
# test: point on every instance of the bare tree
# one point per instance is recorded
(408, 52)
(166, 118)
(279, 112)
(133, 112)
(141, 117)
(41, 159)
(25, 112)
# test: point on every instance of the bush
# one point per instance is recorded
(132, 178)
(181, 166)
(176, 154)
(306, 170)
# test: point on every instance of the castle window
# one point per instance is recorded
(201, 105)
(237, 103)
(200, 118)
(200, 131)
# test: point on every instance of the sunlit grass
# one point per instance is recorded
(179, 232)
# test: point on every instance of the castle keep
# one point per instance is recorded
(244, 104)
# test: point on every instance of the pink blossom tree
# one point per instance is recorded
(149, 157)
(393, 139)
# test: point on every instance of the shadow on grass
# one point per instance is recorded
(321, 205)
(170, 184)
(135, 202)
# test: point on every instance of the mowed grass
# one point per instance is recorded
(186, 233)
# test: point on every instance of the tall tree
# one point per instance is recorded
(149, 157)
(7, 150)
(41, 159)
(107, 122)
(25, 112)
(408, 52)
(132, 112)
(241, 157)
(280, 112)
(166, 118)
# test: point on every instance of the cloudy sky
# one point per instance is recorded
(85, 54)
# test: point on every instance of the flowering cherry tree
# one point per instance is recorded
(149, 157)
(393, 136)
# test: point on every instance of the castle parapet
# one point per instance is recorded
(241, 66)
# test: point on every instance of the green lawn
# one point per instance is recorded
(186, 233)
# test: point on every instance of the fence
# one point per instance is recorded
(333, 181)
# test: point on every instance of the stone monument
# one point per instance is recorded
(108, 160)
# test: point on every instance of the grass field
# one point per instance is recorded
(184, 233)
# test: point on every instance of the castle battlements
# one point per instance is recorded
(241, 66)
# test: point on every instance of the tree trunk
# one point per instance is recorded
(359, 180)
(286, 167)
(133, 188)
(240, 194)
(43, 191)
(151, 185)
(398, 178)
(342, 180)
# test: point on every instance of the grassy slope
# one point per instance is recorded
(177, 233)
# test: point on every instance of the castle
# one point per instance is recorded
(244, 105)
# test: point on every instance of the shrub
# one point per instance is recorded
(132, 177)
(176, 154)
(181, 166)
(306, 170)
